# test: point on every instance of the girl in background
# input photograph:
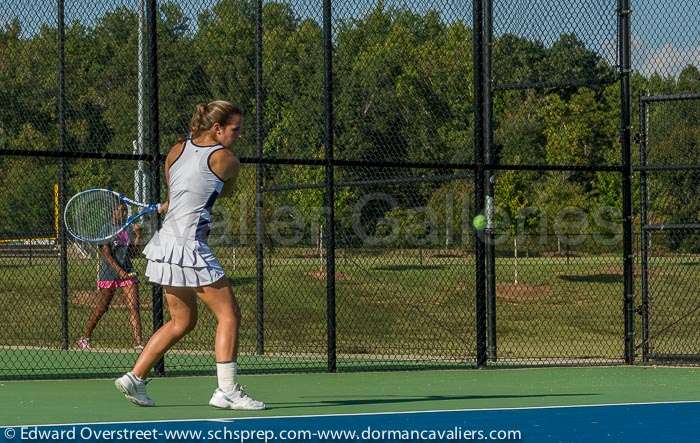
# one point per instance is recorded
(116, 272)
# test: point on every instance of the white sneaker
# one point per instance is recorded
(83, 343)
(236, 399)
(134, 390)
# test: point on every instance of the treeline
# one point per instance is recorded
(404, 91)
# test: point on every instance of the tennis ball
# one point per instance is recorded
(479, 222)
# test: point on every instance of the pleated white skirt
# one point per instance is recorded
(182, 263)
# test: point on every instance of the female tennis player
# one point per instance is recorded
(116, 272)
(197, 172)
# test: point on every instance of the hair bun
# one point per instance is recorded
(205, 115)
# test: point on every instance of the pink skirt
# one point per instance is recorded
(113, 284)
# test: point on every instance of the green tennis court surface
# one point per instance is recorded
(86, 401)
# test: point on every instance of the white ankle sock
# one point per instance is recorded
(136, 376)
(226, 374)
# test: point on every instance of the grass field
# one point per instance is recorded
(396, 307)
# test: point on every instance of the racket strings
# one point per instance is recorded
(94, 215)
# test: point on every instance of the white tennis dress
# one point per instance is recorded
(178, 254)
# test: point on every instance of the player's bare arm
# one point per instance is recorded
(226, 166)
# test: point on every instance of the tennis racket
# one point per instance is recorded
(97, 215)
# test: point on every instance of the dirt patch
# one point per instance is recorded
(446, 254)
(321, 275)
(521, 292)
(89, 299)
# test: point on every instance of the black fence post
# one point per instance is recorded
(644, 233)
(259, 184)
(624, 12)
(154, 142)
(63, 243)
(479, 246)
(330, 188)
(489, 158)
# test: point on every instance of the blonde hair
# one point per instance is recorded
(205, 115)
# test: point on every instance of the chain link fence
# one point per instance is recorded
(669, 215)
(408, 118)
(668, 92)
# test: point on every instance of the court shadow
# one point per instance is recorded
(593, 278)
(182, 405)
(408, 268)
(397, 399)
